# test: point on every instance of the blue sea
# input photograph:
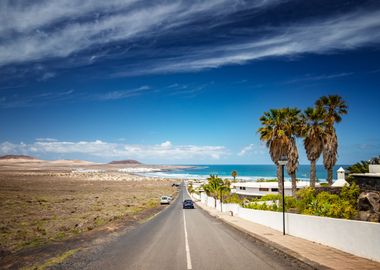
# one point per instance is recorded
(245, 172)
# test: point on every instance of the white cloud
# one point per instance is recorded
(123, 94)
(326, 35)
(164, 151)
(40, 30)
(246, 150)
(30, 25)
(18, 100)
(166, 144)
(252, 148)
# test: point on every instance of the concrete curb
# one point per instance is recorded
(279, 248)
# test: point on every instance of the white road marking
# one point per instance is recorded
(188, 258)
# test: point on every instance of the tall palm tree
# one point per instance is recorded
(333, 107)
(292, 164)
(313, 131)
(294, 127)
(278, 131)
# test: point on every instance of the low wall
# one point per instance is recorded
(356, 237)
(367, 182)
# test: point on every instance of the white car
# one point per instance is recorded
(164, 200)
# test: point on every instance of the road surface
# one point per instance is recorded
(184, 239)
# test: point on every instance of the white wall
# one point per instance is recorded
(356, 237)
(374, 168)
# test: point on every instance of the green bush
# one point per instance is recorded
(329, 205)
(270, 197)
(266, 180)
(308, 202)
(233, 198)
(190, 188)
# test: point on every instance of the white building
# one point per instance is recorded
(341, 182)
(259, 189)
(374, 169)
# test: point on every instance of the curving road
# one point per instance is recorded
(186, 239)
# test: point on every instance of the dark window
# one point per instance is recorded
(275, 189)
(263, 189)
(242, 188)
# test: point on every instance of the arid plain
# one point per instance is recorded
(48, 202)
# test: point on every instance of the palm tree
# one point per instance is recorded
(313, 133)
(333, 107)
(294, 127)
(234, 174)
(224, 188)
(213, 186)
(359, 167)
(292, 164)
(278, 131)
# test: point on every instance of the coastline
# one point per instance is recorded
(245, 172)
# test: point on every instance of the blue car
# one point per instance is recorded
(188, 204)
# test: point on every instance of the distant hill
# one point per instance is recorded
(128, 161)
(17, 157)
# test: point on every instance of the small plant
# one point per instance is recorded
(234, 174)
(190, 188)
(262, 180)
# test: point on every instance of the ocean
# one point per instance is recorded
(245, 172)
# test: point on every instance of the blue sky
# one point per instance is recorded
(181, 81)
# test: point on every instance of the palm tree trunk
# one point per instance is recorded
(294, 184)
(279, 179)
(312, 173)
(330, 176)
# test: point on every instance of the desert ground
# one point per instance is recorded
(44, 202)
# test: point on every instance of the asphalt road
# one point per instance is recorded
(185, 239)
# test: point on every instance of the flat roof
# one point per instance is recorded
(269, 184)
(366, 174)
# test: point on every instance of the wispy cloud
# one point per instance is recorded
(325, 35)
(98, 22)
(185, 90)
(123, 94)
(174, 36)
(98, 148)
(45, 98)
(18, 100)
(48, 75)
(310, 77)
(258, 149)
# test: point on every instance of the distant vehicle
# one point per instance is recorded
(164, 200)
(170, 198)
(188, 204)
(175, 185)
